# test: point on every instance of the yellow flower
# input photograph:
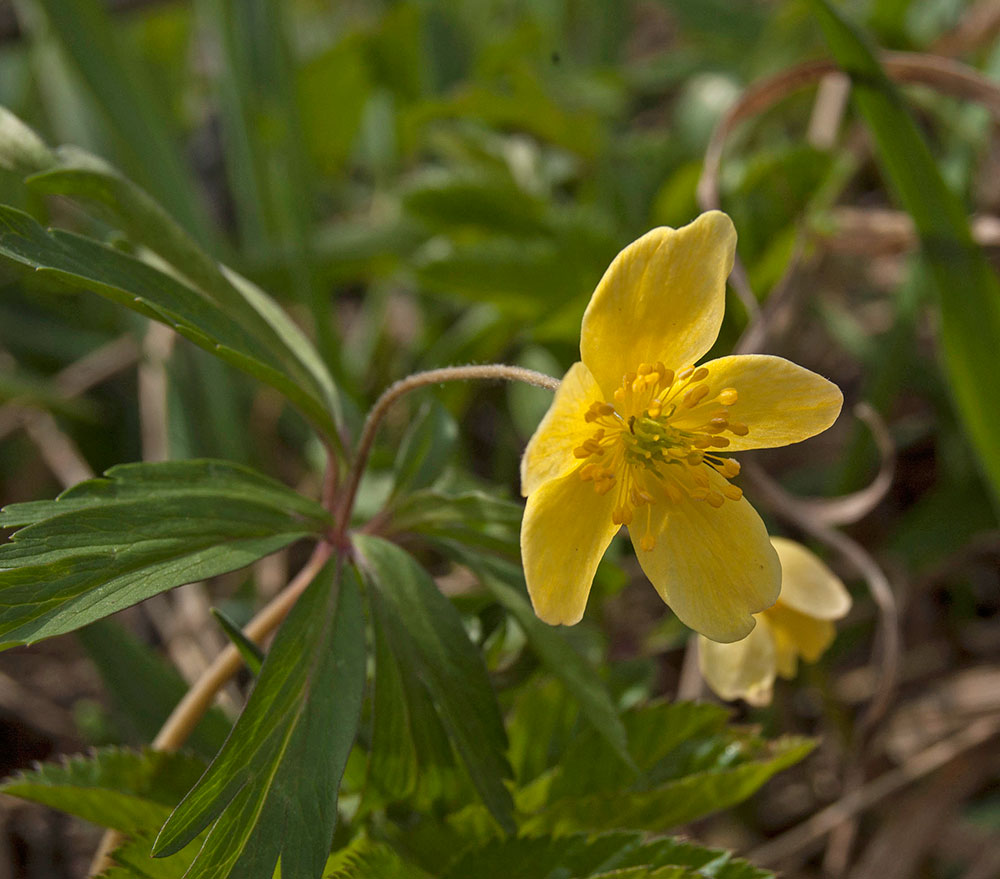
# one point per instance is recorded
(635, 435)
(800, 624)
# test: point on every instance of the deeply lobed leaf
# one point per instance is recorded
(424, 629)
(108, 543)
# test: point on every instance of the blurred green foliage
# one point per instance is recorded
(422, 183)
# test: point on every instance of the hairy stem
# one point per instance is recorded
(192, 707)
(489, 372)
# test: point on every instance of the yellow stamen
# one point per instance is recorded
(693, 397)
(727, 396)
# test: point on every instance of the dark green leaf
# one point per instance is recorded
(108, 543)
(252, 655)
(448, 665)
(256, 336)
(273, 787)
(410, 754)
(123, 790)
(967, 287)
(580, 857)
(145, 688)
(473, 518)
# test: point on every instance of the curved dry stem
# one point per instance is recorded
(803, 836)
(942, 74)
(488, 372)
(888, 644)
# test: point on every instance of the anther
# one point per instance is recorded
(730, 468)
(699, 374)
(733, 492)
(648, 543)
(715, 499)
(738, 428)
(695, 458)
(727, 396)
(720, 442)
(693, 397)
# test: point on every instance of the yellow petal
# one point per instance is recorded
(777, 400)
(661, 299)
(742, 669)
(807, 585)
(713, 566)
(566, 528)
(797, 634)
(549, 453)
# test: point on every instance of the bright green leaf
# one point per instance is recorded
(367, 859)
(134, 861)
(124, 790)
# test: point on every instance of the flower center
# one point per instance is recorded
(656, 441)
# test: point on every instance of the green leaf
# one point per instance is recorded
(674, 802)
(655, 732)
(269, 173)
(145, 688)
(124, 790)
(446, 200)
(109, 543)
(131, 105)
(968, 289)
(410, 755)
(21, 149)
(252, 655)
(273, 787)
(366, 859)
(448, 665)
(258, 339)
(506, 582)
(609, 854)
(426, 447)
(134, 861)
(473, 518)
